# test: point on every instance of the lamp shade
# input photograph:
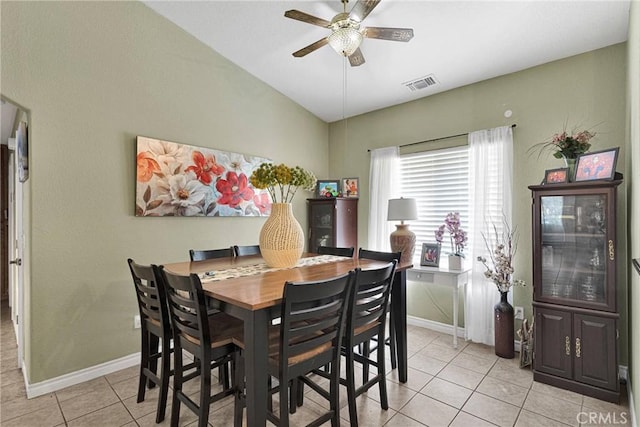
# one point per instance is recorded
(345, 40)
(402, 210)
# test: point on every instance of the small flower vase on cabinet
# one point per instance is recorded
(455, 262)
(503, 327)
(571, 165)
(281, 237)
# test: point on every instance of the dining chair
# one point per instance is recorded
(366, 320)
(333, 250)
(201, 255)
(155, 328)
(246, 250)
(366, 317)
(309, 337)
(391, 341)
(208, 337)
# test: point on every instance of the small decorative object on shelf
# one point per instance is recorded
(281, 237)
(328, 188)
(457, 238)
(567, 146)
(502, 246)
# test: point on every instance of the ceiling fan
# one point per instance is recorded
(346, 34)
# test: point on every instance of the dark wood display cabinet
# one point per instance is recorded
(574, 287)
(333, 222)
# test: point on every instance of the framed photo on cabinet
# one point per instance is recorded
(328, 188)
(350, 187)
(596, 166)
(556, 176)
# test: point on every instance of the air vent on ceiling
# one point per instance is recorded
(421, 83)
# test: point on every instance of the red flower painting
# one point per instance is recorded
(262, 202)
(205, 167)
(146, 166)
(235, 189)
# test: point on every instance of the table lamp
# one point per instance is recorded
(402, 239)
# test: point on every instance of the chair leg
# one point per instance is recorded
(284, 403)
(300, 396)
(205, 393)
(351, 387)
(366, 351)
(382, 377)
(334, 404)
(164, 379)
(239, 393)
(293, 395)
(154, 346)
(177, 385)
(392, 342)
(144, 363)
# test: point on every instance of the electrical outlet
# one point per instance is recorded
(519, 313)
(136, 321)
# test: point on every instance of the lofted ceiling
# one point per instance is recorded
(455, 42)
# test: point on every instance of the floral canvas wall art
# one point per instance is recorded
(183, 180)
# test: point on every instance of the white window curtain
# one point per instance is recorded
(490, 193)
(383, 185)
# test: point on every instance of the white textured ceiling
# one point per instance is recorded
(459, 42)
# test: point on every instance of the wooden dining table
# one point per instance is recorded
(255, 298)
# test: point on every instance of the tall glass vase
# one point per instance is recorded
(281, 237)
(571, 165)
(503, 327)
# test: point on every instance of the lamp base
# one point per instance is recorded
(403, 240)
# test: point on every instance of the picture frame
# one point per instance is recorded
(327, 188)
(350, 187)
(600, 165)
(214, 176)
(556, 176)
(430, 256)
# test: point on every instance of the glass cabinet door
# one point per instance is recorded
(574, 248)
(321, 224)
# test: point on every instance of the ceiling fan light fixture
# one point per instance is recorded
(345, 40)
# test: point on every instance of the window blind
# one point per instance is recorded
(439, 182)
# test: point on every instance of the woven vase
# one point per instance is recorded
(281, 237)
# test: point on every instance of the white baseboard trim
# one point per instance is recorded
(632, 410)
(77, 377)
(434, 326)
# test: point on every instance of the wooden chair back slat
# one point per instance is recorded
(201, 255)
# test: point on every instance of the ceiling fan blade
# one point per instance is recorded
(363, 8)
(395, 34)
(305, 17)
(356, 58)
(313, 46)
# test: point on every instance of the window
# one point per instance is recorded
(438, 180)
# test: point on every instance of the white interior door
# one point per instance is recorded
(16, 251)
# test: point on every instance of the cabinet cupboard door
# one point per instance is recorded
(553, 342)
(595, 355)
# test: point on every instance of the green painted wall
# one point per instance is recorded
(585, 90)
(94, 75)
(633, 181)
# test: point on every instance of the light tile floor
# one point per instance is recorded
(464, 387)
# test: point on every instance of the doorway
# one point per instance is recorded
(13, 175)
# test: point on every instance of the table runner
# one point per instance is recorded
(250, 270)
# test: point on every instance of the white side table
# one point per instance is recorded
(455, 279)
